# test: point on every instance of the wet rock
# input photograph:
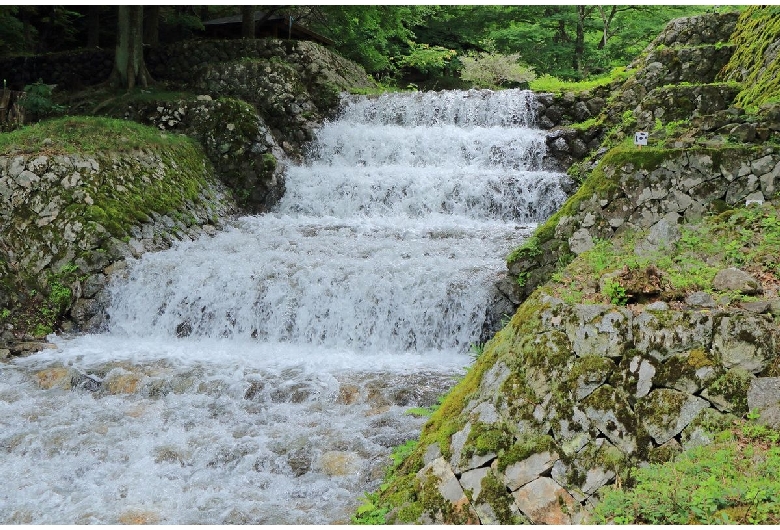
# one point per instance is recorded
(58, 377)
(340, 463)
(87, 382)
(23, 349)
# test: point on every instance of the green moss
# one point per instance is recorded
(496, 495)
(85, 135)
(527, 444)
(438, 507)
(698, 358)
(758, 27)
(484, 439)
(733, 387)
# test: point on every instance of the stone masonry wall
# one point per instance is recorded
(74, 219)
(681, 187)
(579, 393)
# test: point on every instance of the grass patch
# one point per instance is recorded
(733, 481)
(84, 135)
(747, 238)
(549, 83)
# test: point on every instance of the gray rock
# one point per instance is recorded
(657, 306)
(610, 412)
(543, 501)
(758, 307)
(486, 413)
(432, 452)
(599, 330)
(448, 485)
(662, 335)
(456, 446)
(661, 236)
(645, 372)
(581, 241)
(754, 198)
(764, 396)
(486, 514)
(700, 299)
(745, 341)
(521, 473)
(472, 481)
(733, 279)
(664, 413)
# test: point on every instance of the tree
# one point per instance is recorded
(247, 22)
(93, 27)
(129, 66)
(152, 26)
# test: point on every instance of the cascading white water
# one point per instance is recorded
(262, 375)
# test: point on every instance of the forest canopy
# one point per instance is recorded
(432, 45)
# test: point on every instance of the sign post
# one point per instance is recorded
(640, 138)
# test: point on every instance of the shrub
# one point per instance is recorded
(494, 70)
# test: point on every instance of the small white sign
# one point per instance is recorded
(640, 138)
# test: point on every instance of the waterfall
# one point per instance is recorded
(262, 375)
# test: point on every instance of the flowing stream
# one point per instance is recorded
(263, 375)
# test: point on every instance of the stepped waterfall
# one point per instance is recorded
(263, 375)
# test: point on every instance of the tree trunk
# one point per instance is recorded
(606, 21)
(93, 27)
(247, 22)
(152, 26)
(579, 39)
(129, 66)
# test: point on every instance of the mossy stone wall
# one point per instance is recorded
(66, 219)
(566, 398)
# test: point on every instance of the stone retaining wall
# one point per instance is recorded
(70, 220)
(653, 191)
(579, 393)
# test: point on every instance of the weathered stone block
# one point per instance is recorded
(521, 473)
(664, 413)
(543, 501)
(744, 340)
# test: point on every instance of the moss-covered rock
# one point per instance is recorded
(66, 215)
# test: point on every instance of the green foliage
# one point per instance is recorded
(11, 30)
(747, 237)
(401, 452)
(368, 513)
(477, 349)
(550, 83)
(495, 70)
(373, 510)
(38, 101)
(426, 59)
(732, 481)
(615, 292)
